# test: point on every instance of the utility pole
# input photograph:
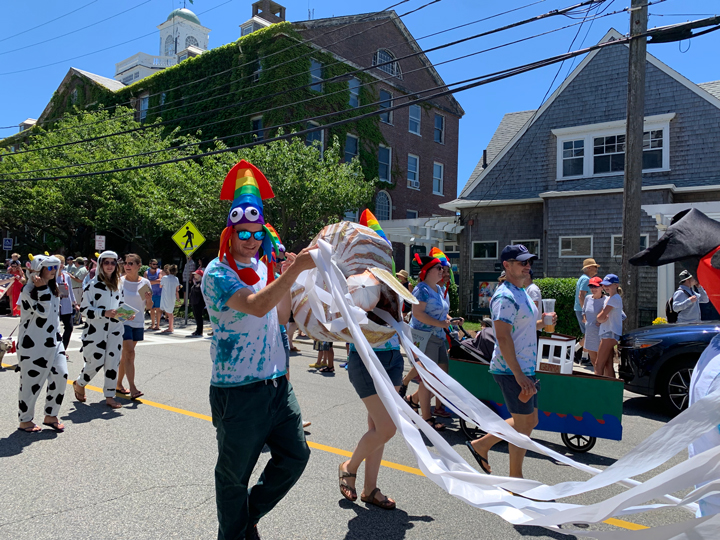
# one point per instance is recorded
(633, 161)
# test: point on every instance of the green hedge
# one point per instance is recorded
(563, 291)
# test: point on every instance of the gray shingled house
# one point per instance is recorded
(552, 179)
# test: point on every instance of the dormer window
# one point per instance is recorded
(385, 61)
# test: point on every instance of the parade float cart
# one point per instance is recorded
(580, 406)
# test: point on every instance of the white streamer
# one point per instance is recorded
(450, 471)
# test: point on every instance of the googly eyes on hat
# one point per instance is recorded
(236, 215)
(252, 213)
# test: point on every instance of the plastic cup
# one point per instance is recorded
(548, 307)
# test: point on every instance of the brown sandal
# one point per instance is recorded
(385, 504)
(437, 426)
(80, 397)
(343, 484)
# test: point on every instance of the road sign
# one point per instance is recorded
(188, 238)
(7, 244)
(100, 242)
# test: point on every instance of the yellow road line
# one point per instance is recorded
(389, 464)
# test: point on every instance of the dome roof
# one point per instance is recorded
(184, 13)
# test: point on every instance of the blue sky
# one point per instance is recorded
(25, 91)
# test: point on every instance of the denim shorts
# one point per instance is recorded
(156, 301)
(322, 345)
(511, 392)
(610, 335)
(133, 334)
(392, 361)
(579, 316)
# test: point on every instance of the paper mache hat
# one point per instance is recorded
(368, 219)
(37, 262)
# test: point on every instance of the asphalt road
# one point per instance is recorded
(146, 471)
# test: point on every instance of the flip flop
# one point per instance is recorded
(122, 391)
(30, 429)
(55, 426)
(136, 395)
(484, 463)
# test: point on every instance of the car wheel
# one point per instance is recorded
(675, 389)
(578, 443)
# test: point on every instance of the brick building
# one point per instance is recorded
(552, 179)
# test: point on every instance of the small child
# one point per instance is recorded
(325, 358)
(170, 287)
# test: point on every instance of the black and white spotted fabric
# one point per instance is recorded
(102, 339)
(41, 352)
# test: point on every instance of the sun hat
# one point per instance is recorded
(610, 279)
(403, 273)
(590, 262)
(685, 275)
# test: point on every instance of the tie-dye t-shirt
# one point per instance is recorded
(245, 349)
(512, 305)
(437, 307)
(392, 344)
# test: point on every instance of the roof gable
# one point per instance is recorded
(706, 92)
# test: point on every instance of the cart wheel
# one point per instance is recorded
(578, 443)
(470, 430)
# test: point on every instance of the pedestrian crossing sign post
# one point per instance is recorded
(188, 238)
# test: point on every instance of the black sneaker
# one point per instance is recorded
(252, 533)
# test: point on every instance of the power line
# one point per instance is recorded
(467, 85)
(290, 123)
(333, 79)
(75, 31)
(48, 22)
(164, 107)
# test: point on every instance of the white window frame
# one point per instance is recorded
(605, 129)
(417, 119)
(390, 205)
(261, 131)
(442, 179)
(169, 40)
(358, 146)
(442, 131)
(583, 256)
(322, 138)
(143, 106)
(314, 81)
(497, 253)
(614, 237)
(523, 242)
(389, 164)
(196, 44)
(257, 71)
(408, 210)
(417, 173)
(390, 104)
(355, 93)
(392, 67)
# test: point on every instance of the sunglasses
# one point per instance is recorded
(51, 268)
(110, 261)
(129, 263)
(245, 235)
(528, 262)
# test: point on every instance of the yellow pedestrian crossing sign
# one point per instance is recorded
(188, 238)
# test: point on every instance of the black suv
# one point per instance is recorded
(659, 359)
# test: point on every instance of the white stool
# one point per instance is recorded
(559, 359)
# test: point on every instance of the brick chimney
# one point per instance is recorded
(268, 10)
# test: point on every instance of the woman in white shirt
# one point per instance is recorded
(130, 284)
(594, 303)
(610, 319)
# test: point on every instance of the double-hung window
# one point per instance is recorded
(384, 159)
(413, 172)
(354, 86)
(439, 134)
(315, 138)
(385, 103)
(576, 246)
(316, 78)
(414, 121)
(438, 175)
(257, 128)
(352, 147)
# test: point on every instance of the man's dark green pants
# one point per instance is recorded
(246, 418)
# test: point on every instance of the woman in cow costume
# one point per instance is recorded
(694, 239)
(40, 349)
(102, 339)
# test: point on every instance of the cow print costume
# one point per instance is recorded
(102, 339)
(40, 351)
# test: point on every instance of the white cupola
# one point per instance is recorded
(182, 30)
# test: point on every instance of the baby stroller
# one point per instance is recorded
(477, 349)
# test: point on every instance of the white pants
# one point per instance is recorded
(33, 375)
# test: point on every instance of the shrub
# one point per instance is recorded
(563, 291)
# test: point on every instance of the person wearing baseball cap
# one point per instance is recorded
(516, 320)
(610, 319)
(593, 305)
(687, 299)
(589, 270)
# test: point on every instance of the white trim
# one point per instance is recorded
(419, 120)
(390, 204)
(459, 204)
(609, 126)
(614, 236)
(312, 78)
(561, 256)
(350, 91)
(693, 189)
(610, 191)
(610, 35)
(389, 164)
(442, 179)
(539, 253)
(472, 252)
(607, 129)
(417, 172)
(416, 213)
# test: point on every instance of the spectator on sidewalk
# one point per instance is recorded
(591, 309)
(17, 286)
(78, 277)
(68, 305)
(197, 302)
(610, 319)
(590, 270)
(687, 299)
(170, 287)
(154, 276)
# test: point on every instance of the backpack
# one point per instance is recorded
(670, 314)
